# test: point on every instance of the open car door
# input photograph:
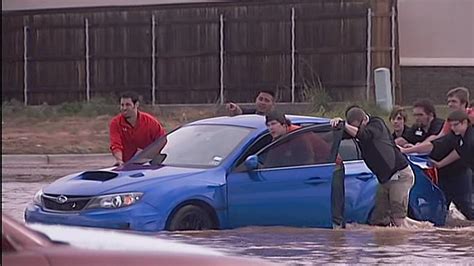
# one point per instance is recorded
(290, 185)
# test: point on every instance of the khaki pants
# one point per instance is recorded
(391, 201)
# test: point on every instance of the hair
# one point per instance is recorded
(459, 116)
(130, 94)
(277, 116)
(427, 106)
(272, 93)
(461, 93)
(396, 111)
(355, 114)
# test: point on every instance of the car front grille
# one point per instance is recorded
(72, 204)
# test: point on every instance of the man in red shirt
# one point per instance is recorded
(132, 130)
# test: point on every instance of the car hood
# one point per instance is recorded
(98, 182)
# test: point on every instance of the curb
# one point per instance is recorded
(44, 159)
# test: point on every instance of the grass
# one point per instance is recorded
(96, 107)
(83, 127)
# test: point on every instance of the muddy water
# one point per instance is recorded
(358, 244)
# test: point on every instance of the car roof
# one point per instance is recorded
(256, 121)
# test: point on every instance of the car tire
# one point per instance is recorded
(191, 217)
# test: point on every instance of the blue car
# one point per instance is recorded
(224, 173)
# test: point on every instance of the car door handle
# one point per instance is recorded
(215, 185)
(315, 181)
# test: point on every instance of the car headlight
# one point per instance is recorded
(114, 201)
(37, 197)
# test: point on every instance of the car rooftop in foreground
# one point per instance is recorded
(217, 173)
(51, 245)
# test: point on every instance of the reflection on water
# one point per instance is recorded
(358, 244)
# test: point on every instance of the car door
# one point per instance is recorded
(360, 183)
(293, 191)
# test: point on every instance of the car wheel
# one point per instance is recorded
(191, 217)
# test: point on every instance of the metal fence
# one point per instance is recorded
(208, 53)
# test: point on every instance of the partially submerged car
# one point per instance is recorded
(64, 245)
(226, 172)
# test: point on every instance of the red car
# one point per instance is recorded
(24, 246)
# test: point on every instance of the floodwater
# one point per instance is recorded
(357, 244)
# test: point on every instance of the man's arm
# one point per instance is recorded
(351, 130)
(116, 145)
(400, 141)
(444, 131)
(424, 147)
(434, 137)
(118, 157)
(157, 129)
(450, 158)
(233, 109)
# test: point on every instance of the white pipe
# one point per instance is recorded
(222, 59)
(293, 54)
(25, 65)
(153, 61)
(393, 50)
(369, 48)
(88, 76)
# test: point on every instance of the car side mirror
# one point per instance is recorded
(251, 162)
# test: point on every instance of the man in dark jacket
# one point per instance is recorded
(385, 160)
(460, 190)
(426, 124)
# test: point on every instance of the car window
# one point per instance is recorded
(306, 148)
(259, 144)
(194, 146)
(349, 150)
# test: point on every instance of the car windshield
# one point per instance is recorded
(195, 146)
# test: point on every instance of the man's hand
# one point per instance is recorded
(403, 150)
(408, 145)
(435, 163)
(335, 121)
(118, 163)
(233, 109)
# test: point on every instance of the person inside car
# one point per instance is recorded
(306, 149)
(296, 151)
(264, 104)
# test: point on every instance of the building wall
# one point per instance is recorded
(436, 32)
(433, 82)
(16, 5)
(436, 47)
